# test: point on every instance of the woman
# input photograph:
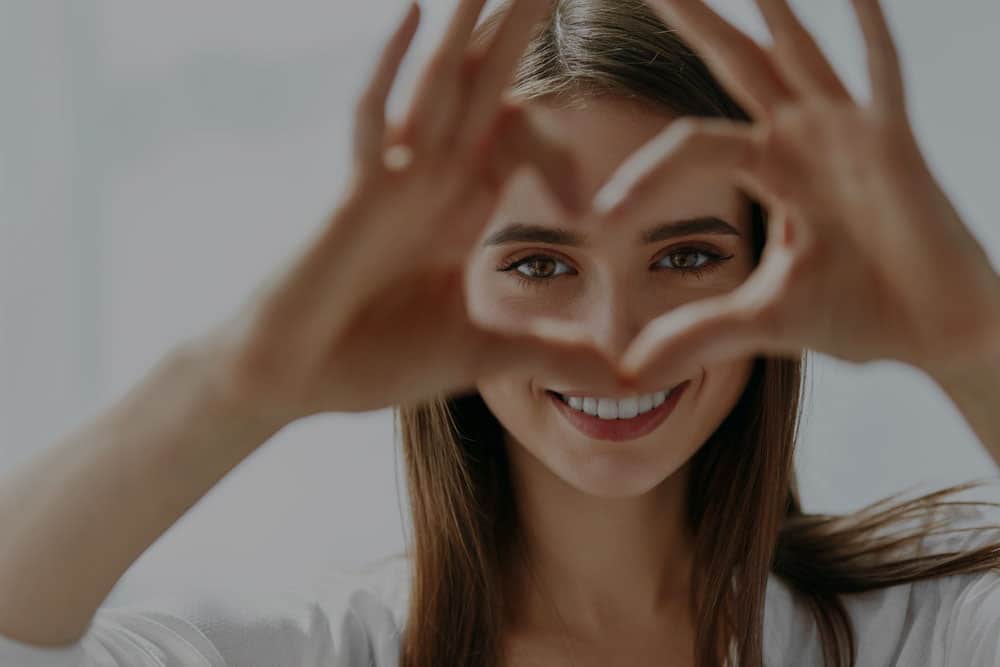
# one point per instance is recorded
(598, 404)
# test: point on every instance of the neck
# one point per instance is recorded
(593, 562)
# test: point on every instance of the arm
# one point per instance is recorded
(79, 513)
(974, 388)
(977, 396)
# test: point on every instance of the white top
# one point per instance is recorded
(355, 620)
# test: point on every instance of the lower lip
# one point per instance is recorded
(620, 429)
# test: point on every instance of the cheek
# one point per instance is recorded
(497, 297)
(723, 385)
(512, 401)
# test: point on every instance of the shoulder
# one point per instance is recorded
(344, 617)
(968, 604)
(944, 620)
(377, 593)
(939, 620)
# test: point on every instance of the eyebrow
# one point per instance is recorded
(532, 233)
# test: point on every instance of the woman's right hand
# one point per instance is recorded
(374, 312)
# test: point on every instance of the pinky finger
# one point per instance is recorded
(369, 124)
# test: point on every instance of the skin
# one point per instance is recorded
(867, 260)
(874, 263)
(588, 505)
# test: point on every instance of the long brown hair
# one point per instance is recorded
(743, 501)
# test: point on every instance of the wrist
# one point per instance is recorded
(974, 365)
(223, 391)
(974, 388)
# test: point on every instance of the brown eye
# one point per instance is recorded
(540, 267)
(536, 267)
(693, 261)
(686, 259)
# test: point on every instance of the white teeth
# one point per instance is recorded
(607, 408)
(628, 408)
(610, 408)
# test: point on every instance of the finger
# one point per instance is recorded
(797, 55)
(547, 348)
(495, 68)
(753, 319)
(455, 237)
(888, 89)
(521, 140)
(435, 104)
(454, 46)
(739, 62)
(692, 336)
(682, 155)
(370, 123)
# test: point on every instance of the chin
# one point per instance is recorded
(610, 478)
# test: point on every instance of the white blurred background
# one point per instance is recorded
(157, 160)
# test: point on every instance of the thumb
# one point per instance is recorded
(692, 336)
(554, 349)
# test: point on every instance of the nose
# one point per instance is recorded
(615, 324)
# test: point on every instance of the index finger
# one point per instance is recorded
(739, 62)
(439, 75)
(499, 60)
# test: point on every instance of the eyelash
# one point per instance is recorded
(715, 261)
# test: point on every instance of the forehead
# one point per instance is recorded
(602, 133)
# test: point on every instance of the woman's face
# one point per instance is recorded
(613, 283)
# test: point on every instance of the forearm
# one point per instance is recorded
(975, 391)
(79, 513)
(978, 399)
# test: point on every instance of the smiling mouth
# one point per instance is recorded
(618, 419)
(614, 408)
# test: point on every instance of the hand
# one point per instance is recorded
(866, 257)
(374, 311)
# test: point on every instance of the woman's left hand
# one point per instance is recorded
(866, 257)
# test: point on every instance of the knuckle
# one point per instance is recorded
(511, 119)
(807, 250)
(767, 319)
(470, 67)
(436, 66)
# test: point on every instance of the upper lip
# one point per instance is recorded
(587, 393)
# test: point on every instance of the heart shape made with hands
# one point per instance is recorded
(865, 256)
